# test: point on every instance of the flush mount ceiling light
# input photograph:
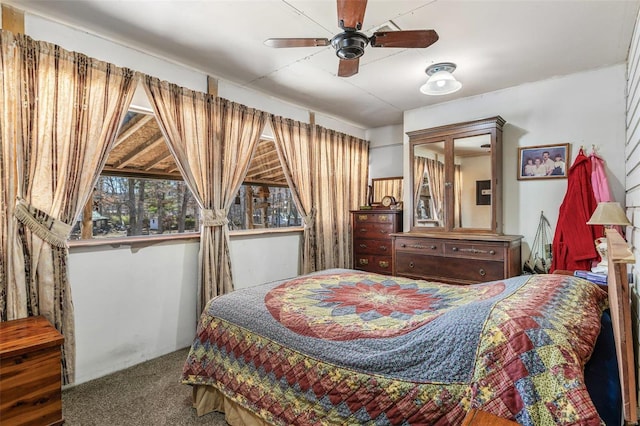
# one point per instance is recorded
(441, 81)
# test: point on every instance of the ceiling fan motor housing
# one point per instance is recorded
(349, 44)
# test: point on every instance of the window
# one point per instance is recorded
(141, 191)
(262, 206)
(127, 206)
(264, 200)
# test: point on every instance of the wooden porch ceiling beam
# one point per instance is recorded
(139, 151)
(134, 128)
(158, 159)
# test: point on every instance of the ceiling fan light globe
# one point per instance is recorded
(441, 83)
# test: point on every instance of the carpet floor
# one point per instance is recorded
(145, 394)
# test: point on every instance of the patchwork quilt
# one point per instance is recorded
(350, 347)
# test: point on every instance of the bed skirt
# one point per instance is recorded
(207, 399)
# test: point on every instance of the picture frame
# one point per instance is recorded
(544, 161)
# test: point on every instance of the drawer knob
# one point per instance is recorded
(383, 248)
(492, 252)
(383, 218)
(363, 229)
(363, 261)
(383, 264)
(363, 217)
(411, 265)
(433, 247)
(403, 245)
(482, 272)
(363, 246)
(454, 249)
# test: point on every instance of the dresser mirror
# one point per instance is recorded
(389, 186)
(456, 177)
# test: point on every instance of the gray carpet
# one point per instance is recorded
(145, 394)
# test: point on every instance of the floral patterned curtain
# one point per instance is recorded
(60, 113)
(212, 140)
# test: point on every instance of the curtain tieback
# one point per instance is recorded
(214, 217)
(310, 218)
(50, 229)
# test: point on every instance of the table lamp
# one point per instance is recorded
(607, 214)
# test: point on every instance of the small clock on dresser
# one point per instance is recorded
(388, 201)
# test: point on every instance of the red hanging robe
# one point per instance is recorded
(573, 243)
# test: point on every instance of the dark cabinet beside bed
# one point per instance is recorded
(372, 242)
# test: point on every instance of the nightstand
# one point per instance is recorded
(30, 372)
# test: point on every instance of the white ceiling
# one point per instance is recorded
(495, 44)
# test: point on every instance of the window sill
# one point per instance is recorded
(135, 242)
(266, 231)
(145, 241)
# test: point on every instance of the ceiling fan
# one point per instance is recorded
(350, 43)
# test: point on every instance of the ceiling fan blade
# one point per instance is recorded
(411, 38)
(348, 67)
(296, 42)
(351, 13)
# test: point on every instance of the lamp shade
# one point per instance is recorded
(609, 213)
(441, 81)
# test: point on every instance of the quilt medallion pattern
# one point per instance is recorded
(348, 347)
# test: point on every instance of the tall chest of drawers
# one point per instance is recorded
(372, 242)
(456, 258)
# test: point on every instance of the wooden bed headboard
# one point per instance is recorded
(619, 256)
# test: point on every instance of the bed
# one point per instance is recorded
(350, 347)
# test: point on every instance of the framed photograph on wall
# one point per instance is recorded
(544, 161)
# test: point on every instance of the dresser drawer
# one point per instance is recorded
(419, 245)
(410, 265)
(372, 246)
(371, 263)
(374, 217)
(372, 230)
(474, 251)
(472, 270)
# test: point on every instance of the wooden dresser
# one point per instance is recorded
(30, 373)
(456, 258)
(372, 242)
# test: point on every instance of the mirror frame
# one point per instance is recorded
(447, 134)
(398, 197)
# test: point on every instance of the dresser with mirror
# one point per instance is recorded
(455, 204)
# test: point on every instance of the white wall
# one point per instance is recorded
(385, 151)
(134, 304)
(474, 169)
(579, 109)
